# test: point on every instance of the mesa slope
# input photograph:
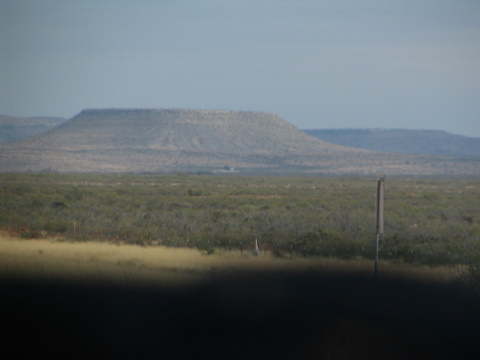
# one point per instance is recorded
(170, 140)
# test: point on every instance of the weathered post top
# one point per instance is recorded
(379, 205)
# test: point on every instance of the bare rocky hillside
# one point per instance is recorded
(172, 140)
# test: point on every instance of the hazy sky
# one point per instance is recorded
(411, 64)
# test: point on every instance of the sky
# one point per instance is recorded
(406, 64)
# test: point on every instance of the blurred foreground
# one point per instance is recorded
(256, 307)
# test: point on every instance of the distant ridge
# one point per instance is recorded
(402, 141)
(17, 128)
(186, 140)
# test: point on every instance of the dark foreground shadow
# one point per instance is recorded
(301, 316)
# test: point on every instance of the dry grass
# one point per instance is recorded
(108, 263)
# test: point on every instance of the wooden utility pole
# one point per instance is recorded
(378, 218)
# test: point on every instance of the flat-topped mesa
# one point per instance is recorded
(217, 131)
(185, 116)
(172, 140)
(166, 110)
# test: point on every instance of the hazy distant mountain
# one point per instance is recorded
(17, 128)
(402, 141)
(172, 140)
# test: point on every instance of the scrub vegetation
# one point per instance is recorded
(427, 221)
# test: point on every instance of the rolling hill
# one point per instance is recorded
(173, 140)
